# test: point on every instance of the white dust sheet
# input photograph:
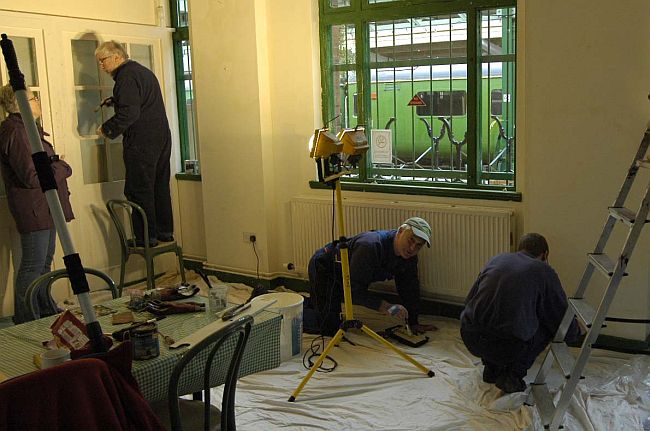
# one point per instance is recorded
(374, 389)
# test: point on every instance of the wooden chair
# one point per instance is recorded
(121, 211)
(182, 414)
(45, 281)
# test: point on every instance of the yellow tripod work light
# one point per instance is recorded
(332, 154)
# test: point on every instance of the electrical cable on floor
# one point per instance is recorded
(314, 352)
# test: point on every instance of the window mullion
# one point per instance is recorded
(473, 99)
(362, 41)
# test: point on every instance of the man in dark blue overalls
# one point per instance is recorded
(373, 256)
(141, 119)
(513, 311)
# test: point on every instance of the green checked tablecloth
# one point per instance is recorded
(21, 342)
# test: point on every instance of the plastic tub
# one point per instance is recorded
(289, 305)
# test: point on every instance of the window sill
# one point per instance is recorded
(488, 194)
(182, 176)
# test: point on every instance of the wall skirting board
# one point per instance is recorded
(429, 306)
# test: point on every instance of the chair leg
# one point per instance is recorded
(181, 266)
(122, 272)
(150, 272)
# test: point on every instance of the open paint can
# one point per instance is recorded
(145, 342)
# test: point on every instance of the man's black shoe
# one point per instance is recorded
(165, 237)
(510, 383)
(140, 243)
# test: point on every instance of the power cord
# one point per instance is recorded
(259, 289)
(257, 259)
(314, 352)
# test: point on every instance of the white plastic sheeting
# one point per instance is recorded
(374, 389)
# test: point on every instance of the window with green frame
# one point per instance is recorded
(184, 84)
(433, 82)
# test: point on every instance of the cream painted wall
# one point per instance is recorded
(190, 219)
(582, 87)
(231, 80)
(587, 82)
(148, 12)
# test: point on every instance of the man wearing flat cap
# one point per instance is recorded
(373, 256)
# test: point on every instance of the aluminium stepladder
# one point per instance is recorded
(593, 318)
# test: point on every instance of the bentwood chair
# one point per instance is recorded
(46, 281)
(199, 363)
(121, 212)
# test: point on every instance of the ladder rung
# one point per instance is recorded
(603, 263)
(543, 402)
(625, 215)
(584, 311)
(563, 357)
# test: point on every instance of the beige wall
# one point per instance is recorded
(148, 12)
(255, 96)
(586, 99)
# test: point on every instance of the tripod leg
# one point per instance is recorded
(334, 341)
(375, 336)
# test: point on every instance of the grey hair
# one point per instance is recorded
(112, 47)
(8, 99)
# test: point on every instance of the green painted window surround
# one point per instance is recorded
(184, 80)
(434, 85)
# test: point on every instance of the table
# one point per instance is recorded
(21, 342)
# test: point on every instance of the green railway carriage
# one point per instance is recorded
(432, 135)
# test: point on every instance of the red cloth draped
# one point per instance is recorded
(82, 394)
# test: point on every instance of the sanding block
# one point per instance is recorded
(400, 334)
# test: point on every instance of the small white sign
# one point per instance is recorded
(382, 145)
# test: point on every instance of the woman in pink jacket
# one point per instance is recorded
(28, 205)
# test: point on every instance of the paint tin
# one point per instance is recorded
(145, 342)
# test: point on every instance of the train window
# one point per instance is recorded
(496, 102)
(442, 103)
(339, 3)
(458, 139)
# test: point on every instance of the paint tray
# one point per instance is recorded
(400, 334)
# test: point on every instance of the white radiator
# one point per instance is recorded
(463, 237)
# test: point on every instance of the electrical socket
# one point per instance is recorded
(249, 237)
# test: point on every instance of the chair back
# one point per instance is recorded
(121, 211)
(231, 338)
(45, 281)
